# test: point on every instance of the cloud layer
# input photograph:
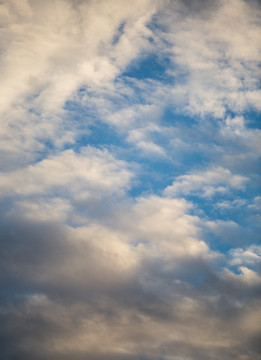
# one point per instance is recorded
(130, 184)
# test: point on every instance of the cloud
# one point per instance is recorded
(126, 284)
(212, 50)
(91, 172)
(247, 277)
(52, 209)
(59, 35)
(250, 256)
(237, 203)
(141, 138)
(52, 49)
(206, 183)
(153, 230)
(256, 205)
(129, 185)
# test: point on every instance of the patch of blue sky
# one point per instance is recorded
(235, 220)
(251, 116)
(253, 119)
(227, 234)
(218, 243)
(230, 237)
(93, 130)
(150, 66)
(215, 208)
(182, 160)
(157, 26)
(48, 146)
(192, 129)
(118, 34)
(80, 118)
(75, 109)
(153, 177)
(99, 135)
(171, 117)
(156, 172)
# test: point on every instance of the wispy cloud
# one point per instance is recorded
(206, 183)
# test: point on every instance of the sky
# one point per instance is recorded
(130, 179)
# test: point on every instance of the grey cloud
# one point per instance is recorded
(199, 7)
(66, 294)
(54, 330)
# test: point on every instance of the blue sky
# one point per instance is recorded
(130, 179)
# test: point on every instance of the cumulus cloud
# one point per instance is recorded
(250, 256)
(128, 285)
(206, 183)
(89, 173)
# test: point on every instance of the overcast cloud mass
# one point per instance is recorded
(130, 180)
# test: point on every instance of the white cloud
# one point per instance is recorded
(38, 209)
(206, 183)
(162, 228)
(49, 50)
(217, 55)
(91, 173)
(249, 256)
(237, 203)
(45, 62)
(256, 205)
(141, 138)
(246, 277)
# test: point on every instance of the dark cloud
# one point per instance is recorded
(64, 299)
(200, 6)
